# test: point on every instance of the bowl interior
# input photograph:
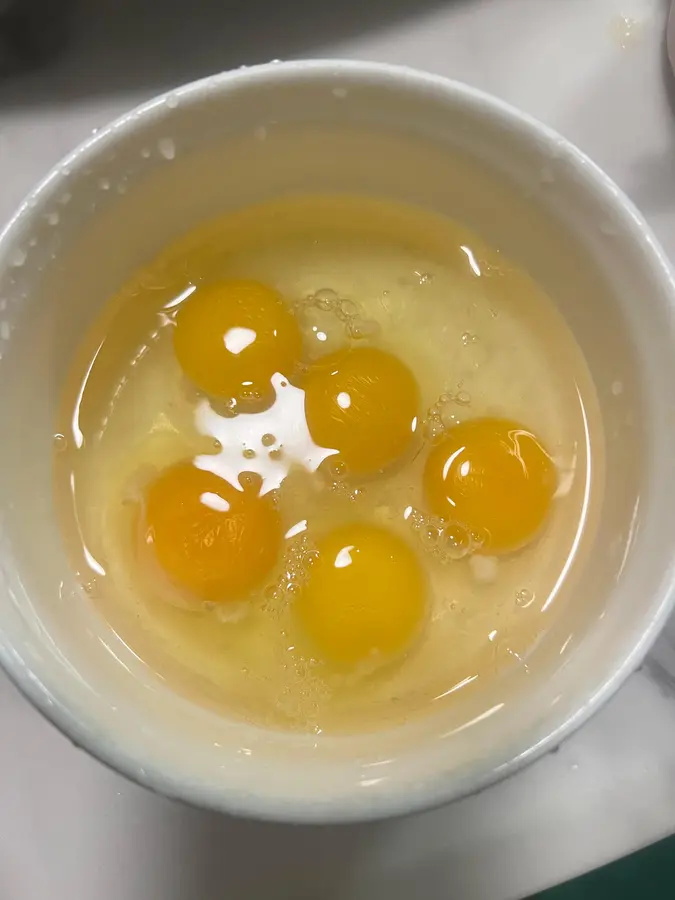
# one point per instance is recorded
(242, 138)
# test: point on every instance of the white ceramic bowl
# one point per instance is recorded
(241, 137)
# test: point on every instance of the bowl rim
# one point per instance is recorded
(435, 791)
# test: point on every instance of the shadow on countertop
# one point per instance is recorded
(118, 46)
(32, 33)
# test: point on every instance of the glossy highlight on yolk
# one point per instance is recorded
(366, 595)
(211, 539)
(232, 336)
(364, 403)
(493, 476)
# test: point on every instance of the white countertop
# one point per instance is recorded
(72, 830)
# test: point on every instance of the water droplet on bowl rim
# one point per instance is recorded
(167, 147)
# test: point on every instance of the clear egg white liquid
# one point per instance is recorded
(482, 340)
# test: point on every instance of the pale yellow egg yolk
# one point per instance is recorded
(365, 597)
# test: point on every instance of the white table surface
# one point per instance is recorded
(72, 830)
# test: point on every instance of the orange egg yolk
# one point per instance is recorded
(365, 597)
(494, 477)
(364, 403)
(211, 539)
(232, 336)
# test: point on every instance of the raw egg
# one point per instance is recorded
(364, 403)
(232, 336)
(493, 476)
(365, 597)
(213, 540)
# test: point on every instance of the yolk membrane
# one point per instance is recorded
(494, 477)
(213, 540)
(231, 337)
(364, 403)
(365, 597)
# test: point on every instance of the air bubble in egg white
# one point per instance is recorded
(104, 184)
(348, 308)
(463, 398)
(430, 535)
(166, 147)
(340, 93)
(172, 101)
(145, 152)
(323, 330)
(445, 541)
(52, 218)
(363, 329)
(32, 242)
(5, 331)
(524, 598)
(326, 299)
